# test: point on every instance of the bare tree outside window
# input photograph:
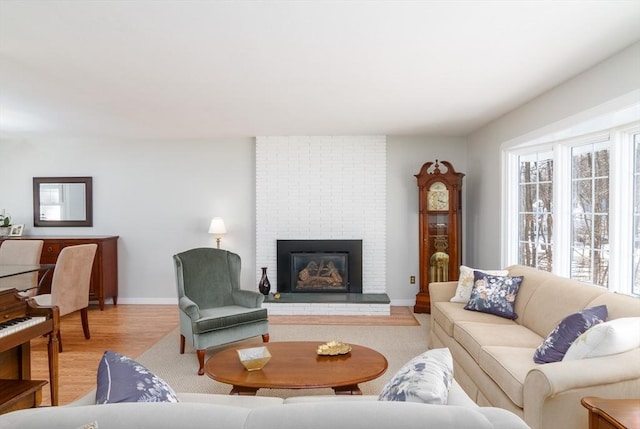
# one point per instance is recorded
(535, 210)
(590, 213)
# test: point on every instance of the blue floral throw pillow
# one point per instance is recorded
(426, 379)
(554, 347)
(121, 379)
(494, 294)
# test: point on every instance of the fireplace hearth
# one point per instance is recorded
(319, 266)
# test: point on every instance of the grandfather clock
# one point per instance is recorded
(440, 227)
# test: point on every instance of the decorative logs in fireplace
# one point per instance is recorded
(319, 275)
(319, 266)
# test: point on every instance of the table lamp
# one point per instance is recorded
(217, 228)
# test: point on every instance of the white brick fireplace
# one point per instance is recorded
(323, 187)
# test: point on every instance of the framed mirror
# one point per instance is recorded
(62, 201)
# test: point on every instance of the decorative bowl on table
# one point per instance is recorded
(254, 358)
(333, 348)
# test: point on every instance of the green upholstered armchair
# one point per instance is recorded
(213, 308)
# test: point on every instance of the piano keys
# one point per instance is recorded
(14, 325)
(21, 320)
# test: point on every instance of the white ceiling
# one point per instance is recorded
(207, 69)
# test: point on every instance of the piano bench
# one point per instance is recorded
(20, 394)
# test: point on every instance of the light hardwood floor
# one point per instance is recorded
(132, 329)
(126, 329)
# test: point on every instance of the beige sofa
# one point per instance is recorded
(493, 356)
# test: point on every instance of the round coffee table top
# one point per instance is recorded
(296, 365)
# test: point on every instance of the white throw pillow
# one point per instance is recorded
(465, 282)
(426, 379)
(608, 338)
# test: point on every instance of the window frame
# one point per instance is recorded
(621, 209)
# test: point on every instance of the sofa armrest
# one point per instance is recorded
(247, 298)
(585, 377)
(553, 378)
(442, 291)
(189, 307)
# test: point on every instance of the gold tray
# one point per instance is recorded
(333, 348)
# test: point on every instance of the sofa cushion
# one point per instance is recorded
(494, 294)
(618, 305)
(183, 415)
(473, 336)
(364, 414)
(544, 299)
(465, 282)
(508, 367)
(554, 347)
(608, 338)
(426, 378)
(447, 314)
(121, 379)
(224, 317)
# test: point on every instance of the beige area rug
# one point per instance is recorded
(397, 343)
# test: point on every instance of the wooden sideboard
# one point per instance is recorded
(104, 276)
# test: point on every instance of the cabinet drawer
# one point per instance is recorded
(51, 249)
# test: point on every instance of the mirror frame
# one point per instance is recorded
(88, 188)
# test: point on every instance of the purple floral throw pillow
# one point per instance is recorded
(554, 347)
(494, 294)
(122, 379)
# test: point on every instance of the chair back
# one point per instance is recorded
(71, 278)
(20, 252)
(207, 276)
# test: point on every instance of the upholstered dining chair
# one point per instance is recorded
(70, 284)
(213, 309)
(21, 252)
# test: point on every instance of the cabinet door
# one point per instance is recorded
(438, 240)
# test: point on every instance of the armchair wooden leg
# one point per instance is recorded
(181, 344)
(265, 338)
(84, 315)
(59, 342)
(201, 354)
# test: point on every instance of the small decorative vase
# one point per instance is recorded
(264, 286)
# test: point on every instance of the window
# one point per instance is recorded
(535, 213)
(561, 214)
(51, 201)
(590, 213)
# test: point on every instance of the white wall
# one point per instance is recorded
(589, 94)
(405, 157)
(160, 196)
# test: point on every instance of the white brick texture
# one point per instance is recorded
(322, 187)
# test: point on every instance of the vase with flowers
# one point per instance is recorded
(5, 224)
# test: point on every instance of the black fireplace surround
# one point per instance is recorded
(326, 266)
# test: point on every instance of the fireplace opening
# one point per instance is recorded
(319, 266)
(319, 271)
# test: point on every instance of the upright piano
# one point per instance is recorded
(22, 319)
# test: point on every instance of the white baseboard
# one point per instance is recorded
(172, 301)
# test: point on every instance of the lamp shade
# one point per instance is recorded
(217, 226)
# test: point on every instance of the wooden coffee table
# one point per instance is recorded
(295, 365)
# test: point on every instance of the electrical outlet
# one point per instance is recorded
(412, 280)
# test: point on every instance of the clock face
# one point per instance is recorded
(438, 197)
